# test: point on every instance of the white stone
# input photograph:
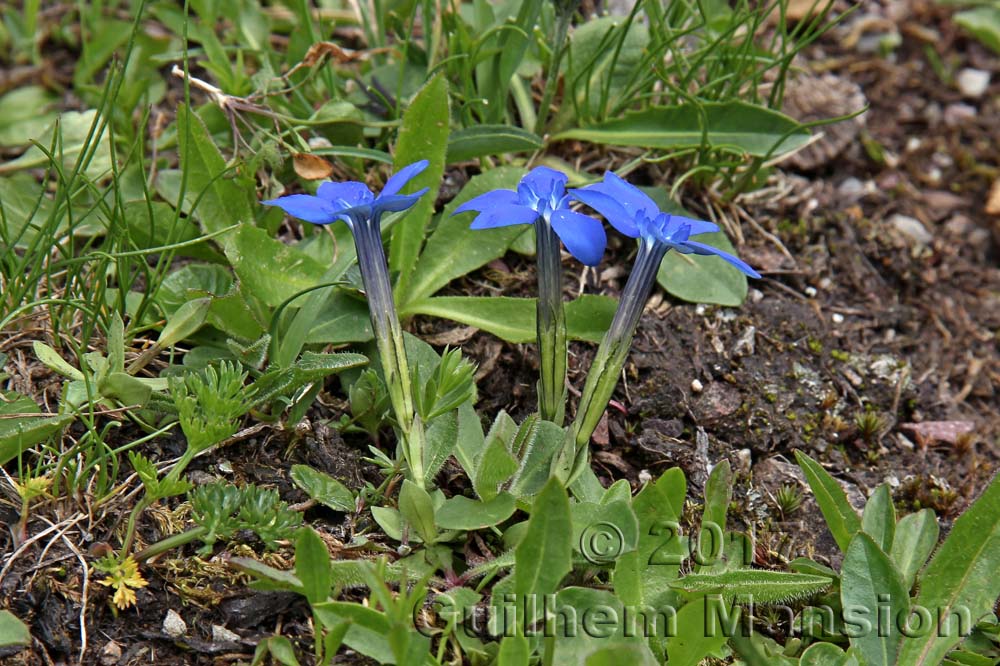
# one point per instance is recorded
(911, 228)
(222, 635)
(837, 318)
(174, 625)
(973, 82)
(697, 386)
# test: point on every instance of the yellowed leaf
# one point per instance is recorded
(311, 167)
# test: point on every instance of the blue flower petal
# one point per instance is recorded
(402, 177)
(543, 181)
(397, 202)
(609, 207)
(631, 198)
(351, 193)
(306, 207)
(503, 217)
(697, 226)
(492, 199)
(705, 250)
(583, 236)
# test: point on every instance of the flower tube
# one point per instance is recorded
(358, 207)
(634, 214)
(541, 200)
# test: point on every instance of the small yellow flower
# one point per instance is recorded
(123, 578)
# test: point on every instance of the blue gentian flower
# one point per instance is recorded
(541, 199)
(352, 201)
(362, 211)
(634, 214)
(541, 195)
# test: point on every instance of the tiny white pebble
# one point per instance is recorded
(810, 291)
(174, 625)
(699, 309)
(645, 476)
(837, 318)
(913, 143)
(697, 386)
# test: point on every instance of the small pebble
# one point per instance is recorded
(973, 82)
(810, 291)
(744, 459)
(645, 476)
(756, 295)
(911, 228)
(174, 625)
(958, 114)
(837, 318)
(222, 635)
(111, 654)
(697, 386)
(913, 144)
(851, 190)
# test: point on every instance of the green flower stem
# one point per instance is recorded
(389, 340)
(611, 355)
(171, 542)
(551, 326)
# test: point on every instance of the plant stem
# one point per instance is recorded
(611, 355)
(551, 326)
(389, 340)
(175, 541)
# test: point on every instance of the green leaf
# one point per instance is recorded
(309, 368)
(184, 323)
(869, 583)
(77, 135)
(718, 494)
(621, 652)
(369, 629)
(471, 442)
(221, 200)
(659, 507)
(124, 388)
(604, 532)
(840, 517)
(323, 488)
(823, 654)
(51, 359)
(13, 632)
(878, 520)
(513, 319)
(984, 23)
(961, 580)
(916, 536)
(268, 577)
(599, 70)
(271, 270)
(441, 437)
(312, 565)
(423, 135)
(735, 127)
(417, 507)
(496, 465)
(25, 112)
(549, 439)
(19, 433)
(544, 555)
(462, 513)
(280, 648)
(694, 640)
(514, 651)
(483, 140)
(704, 279)
(453, 249)
(764, 587)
